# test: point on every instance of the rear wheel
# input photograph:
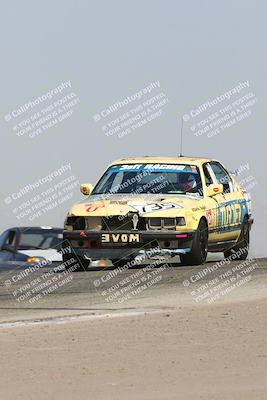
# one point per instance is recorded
(240, 250)
(199, 251)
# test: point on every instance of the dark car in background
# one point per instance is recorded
(31, 244)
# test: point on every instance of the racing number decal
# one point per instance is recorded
(230, 214)
(149, 208)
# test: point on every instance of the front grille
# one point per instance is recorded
(161, 223)
(122, 223)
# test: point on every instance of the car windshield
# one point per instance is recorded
(151, 179)
(40, 239)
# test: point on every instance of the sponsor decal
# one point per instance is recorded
(201, 208)
(155, 168)
(120, 237)
(94, 207)
(209, 217)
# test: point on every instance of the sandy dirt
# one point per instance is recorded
(208, 352)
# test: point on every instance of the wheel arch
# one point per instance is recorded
(205, 220)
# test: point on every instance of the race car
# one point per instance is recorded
(31, 244)
(174, 205)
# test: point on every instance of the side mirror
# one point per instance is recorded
(212, 190)
(86, 188)
(9, 248)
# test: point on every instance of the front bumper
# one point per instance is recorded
(93, 245)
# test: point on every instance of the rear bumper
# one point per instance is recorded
(90, 244)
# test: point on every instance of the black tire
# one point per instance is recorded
(242, 245)
(120, 263)
(199, 251)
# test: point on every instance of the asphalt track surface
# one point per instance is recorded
(163, 333)
(45, 295)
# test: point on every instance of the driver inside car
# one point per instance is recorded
(188, 183)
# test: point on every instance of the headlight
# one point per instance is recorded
(36, 260)
(165, 223)
(169, 223)
(154, 223)
(180, 221)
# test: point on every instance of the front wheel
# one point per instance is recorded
(75, 263)
(199, 251)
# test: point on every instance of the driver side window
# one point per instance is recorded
(208, 178)
(222, 176)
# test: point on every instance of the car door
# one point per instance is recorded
(212, 204)
(230, 204)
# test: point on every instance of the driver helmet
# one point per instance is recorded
(189, 182)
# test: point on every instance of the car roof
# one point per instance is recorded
(165, 160)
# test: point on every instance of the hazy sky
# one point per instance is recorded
(110, 50)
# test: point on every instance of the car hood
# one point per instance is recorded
(154, 205)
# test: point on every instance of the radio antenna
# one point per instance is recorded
(181, 138)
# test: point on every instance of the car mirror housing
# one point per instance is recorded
(213, 189)
(8, 247)
(86, 188)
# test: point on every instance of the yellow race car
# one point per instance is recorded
(174, 205)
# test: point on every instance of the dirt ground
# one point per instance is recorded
(194, 352)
